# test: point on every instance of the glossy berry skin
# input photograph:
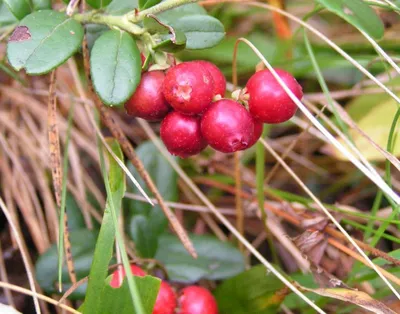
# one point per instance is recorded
(188, 87)
(148, 101)
(166, 300)
(217, 75)
(181, 134)
(227, 126)
(119, 275)
(197, 300)
(258, 129)
(268, 101)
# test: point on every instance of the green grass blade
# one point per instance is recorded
(64, 196)
(324, 86)
(137, 302)
(105, 241)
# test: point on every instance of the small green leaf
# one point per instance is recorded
(252, 292)
(41, 5)
(20, 8)
(217, 259)
(168, 39)
(357, 13)
(148, 223)
(172, 15)
(42, 41)
(119, 7)
(201, 31)
(114, 301)
(149, 3)
(6, 17)
(98, 4)
(115, 66)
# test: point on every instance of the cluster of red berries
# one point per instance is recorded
(191, 300)
(189, 100)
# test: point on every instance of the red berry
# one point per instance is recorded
(217, 75)
(119, 274)
(227, 126)
(166, 300)
(148, 101)
(181, 134)
(188, 87)
(258, 129)
(197, 300)
(268, 101)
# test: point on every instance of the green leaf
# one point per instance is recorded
(217, 259)
(150, 3)
(43, 41)
(119, 7)
(115, 66)
(105, 242)
(376, 123)
(82, 252)
(148, 223)
(98, 4)
(114, 301)
(202, 31)
(41, 5)
(252, 292)
(172, 15)
(20, 8)
(357, 13)
(6, 17)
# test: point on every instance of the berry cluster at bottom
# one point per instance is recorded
(190, 300)
(188, 98)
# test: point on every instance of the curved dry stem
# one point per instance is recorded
(221, 217)
(23, 254)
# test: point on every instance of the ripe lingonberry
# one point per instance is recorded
(119, 274)
(197, 300)
(181, 134)
(217, 75)
(166, 300)
(268, 101)
(148, 101)
(227, 126)
(188, 87)
(258, 129)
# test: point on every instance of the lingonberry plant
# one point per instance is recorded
(197, 300)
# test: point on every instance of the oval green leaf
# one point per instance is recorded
(357, 13)
(20, 8)
(217, 259)
(98, 4)
(43, 41)
(201, 31)
(115, 66)
(253, 292)
(41, 5)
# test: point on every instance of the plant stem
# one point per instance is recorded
(121, 22)
(135, 17)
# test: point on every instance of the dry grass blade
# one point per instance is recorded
(327, 213)
(238, 197)
(37, 296)
(220, 217)
(129, 151)
(359, 298)
(56, 168)
(24, 254)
